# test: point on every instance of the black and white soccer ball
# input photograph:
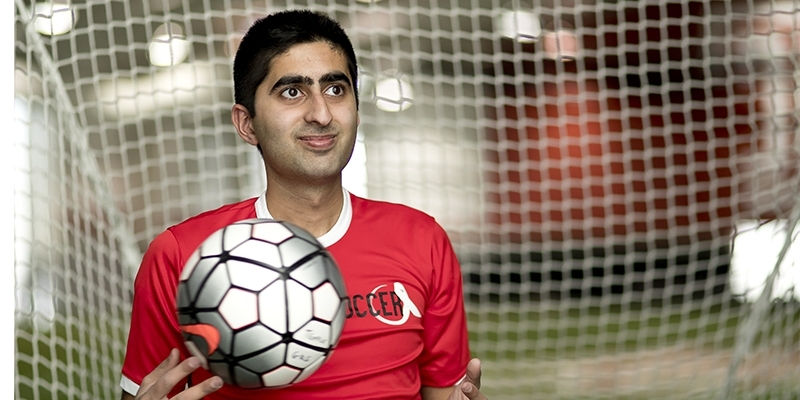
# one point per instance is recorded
(262, 303)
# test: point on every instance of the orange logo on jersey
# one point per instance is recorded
(209, 333)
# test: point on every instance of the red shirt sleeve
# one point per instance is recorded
(444, 359)
(154, 327)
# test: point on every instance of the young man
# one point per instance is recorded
(295, 88)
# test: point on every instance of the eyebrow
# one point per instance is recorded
(335, 77)
(291, 80)
(299, 79)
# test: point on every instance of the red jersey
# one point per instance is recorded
(388, 349)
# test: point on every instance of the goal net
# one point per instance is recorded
(619, 178)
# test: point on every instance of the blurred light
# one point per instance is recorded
(520, 25)
(776, 34)
(393, 92)
(368, 1)
(8, 333)
(169, 46)
(185, 85)
(34, 289)
(755, 252)
(53, 18)
(561, 45)
(354, 175)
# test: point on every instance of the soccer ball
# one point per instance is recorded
(261, 303)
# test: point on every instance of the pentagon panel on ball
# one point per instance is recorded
(262, 303)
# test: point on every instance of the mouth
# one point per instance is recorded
(321, 142)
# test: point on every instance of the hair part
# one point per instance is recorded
(276, 34)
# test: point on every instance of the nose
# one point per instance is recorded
(318, 111)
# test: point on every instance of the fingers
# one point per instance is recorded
(198, 392)
(169, 379)
(471, 391)
(169, 373)
(170, 362)
(474, 372)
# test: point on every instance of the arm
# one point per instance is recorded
(469, 389)
(446, 352)
(432, 393)
(154, 330)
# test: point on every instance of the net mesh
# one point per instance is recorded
(619, 179)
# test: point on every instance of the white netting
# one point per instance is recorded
(590, 159)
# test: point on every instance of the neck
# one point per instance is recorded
(314, 208)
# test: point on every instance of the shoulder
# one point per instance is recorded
(188, 235)
(384, 210)
(373, 219)
(216, 218)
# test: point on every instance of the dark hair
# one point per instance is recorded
(274, 35)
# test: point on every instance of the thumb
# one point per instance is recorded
(471, 392)
(474, 372)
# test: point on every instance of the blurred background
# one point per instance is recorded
(619, 178)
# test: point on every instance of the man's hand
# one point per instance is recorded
(158, 384)
(469, 389)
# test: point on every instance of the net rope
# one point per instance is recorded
(602, 169)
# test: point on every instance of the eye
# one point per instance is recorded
(291, 93)
(335, 90)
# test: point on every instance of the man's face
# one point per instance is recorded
(305, 114)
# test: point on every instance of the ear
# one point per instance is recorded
(243, 122)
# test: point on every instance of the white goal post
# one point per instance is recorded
(620, 178)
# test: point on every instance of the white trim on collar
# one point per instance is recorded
(330, 237)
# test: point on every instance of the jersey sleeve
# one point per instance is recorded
(444, 359)
(154, 329)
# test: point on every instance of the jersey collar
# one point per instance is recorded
(329, 238)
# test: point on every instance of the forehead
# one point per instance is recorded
(311, 60)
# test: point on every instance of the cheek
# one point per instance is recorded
(347, 117)
(270, 124)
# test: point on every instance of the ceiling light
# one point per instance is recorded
(53, 18)
(169, 46)
(523, 26)
(393, 91)
(561, 45)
